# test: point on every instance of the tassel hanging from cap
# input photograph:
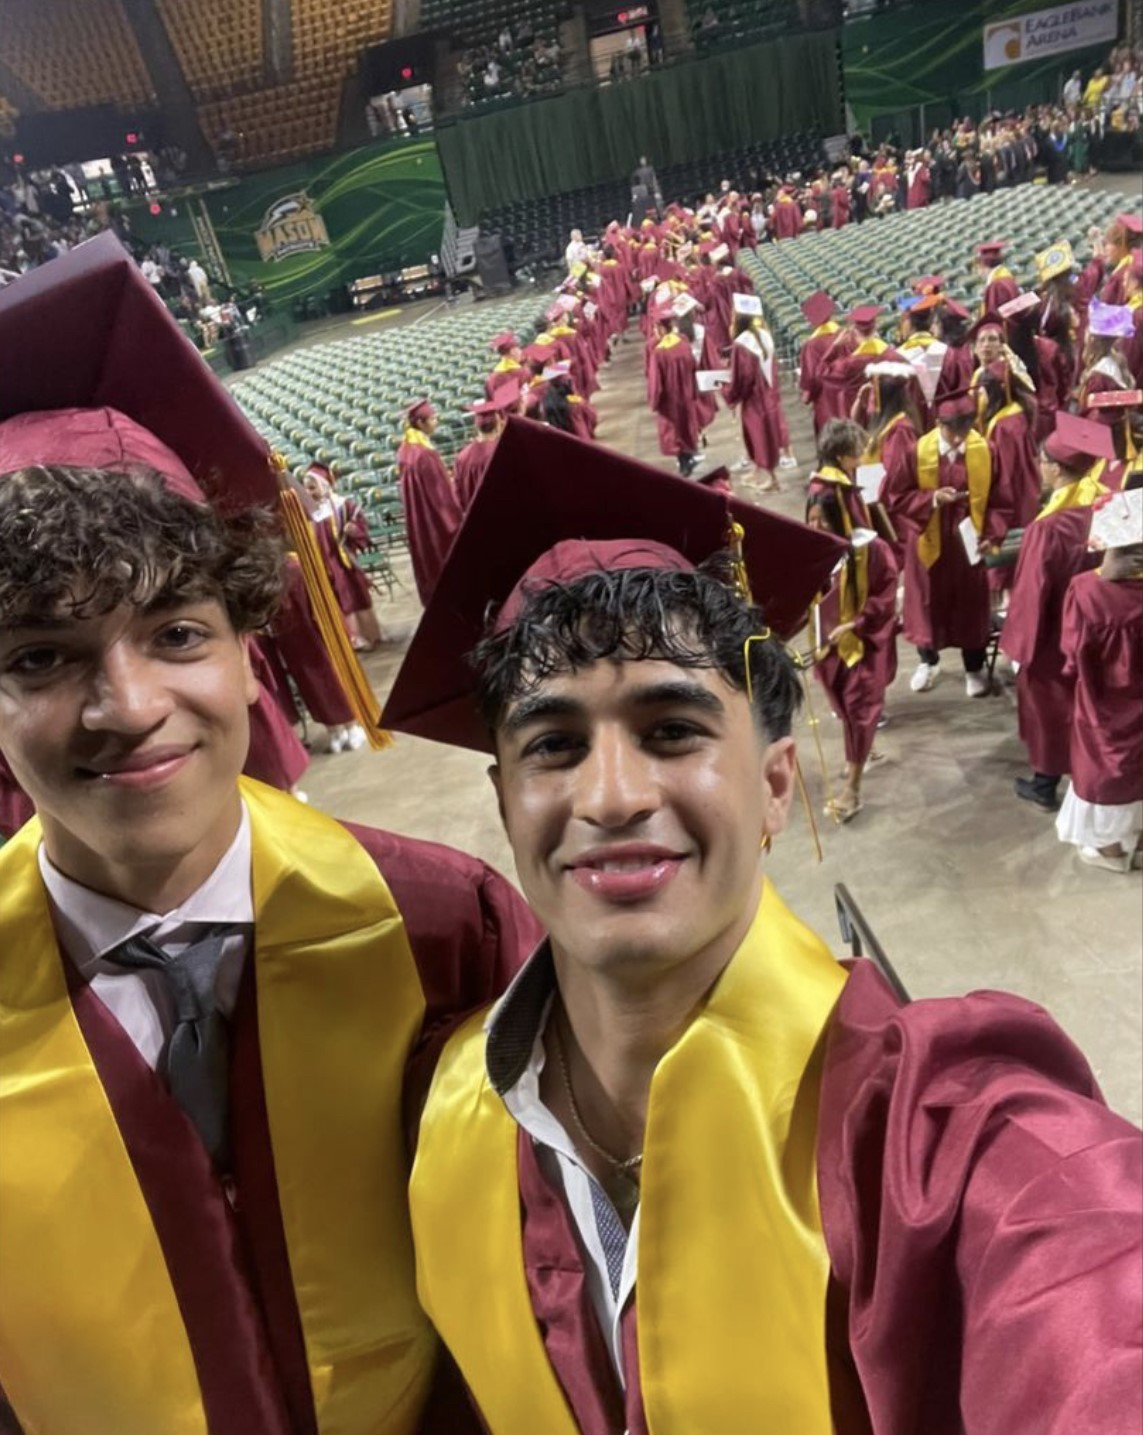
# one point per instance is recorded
(738, 573)
(361, 698)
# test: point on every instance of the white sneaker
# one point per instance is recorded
(925, 677)
(355, 737)
(1095, 858)
(976, 685)
(337, 740)
(742, 465)
(787, 461)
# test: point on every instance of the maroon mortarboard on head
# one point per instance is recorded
(1133, 223)
(501, 343)
(865, 315)
(88, 332)
(419, 409)
(539, 353)
(819, 308)
(506, 398)
(1077, 443)
(716, 479)
(991, 250)
(484, 408)
(982, 326)
(955, 310)
(960, 404)
(545, 488)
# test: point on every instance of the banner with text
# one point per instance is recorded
(1044, 33)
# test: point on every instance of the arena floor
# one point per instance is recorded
(965, 886)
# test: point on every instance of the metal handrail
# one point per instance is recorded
(862, 942)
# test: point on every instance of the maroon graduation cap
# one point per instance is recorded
(544, 488)
(87, 334)
(960, 404)
(1077, 443)
(819, 308)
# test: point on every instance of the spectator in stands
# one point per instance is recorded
(1073, 89)
(577, 251)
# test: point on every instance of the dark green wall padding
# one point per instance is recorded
(681, 113)
(932, 54)
(383, 207)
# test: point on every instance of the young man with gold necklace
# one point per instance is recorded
(692, 1174)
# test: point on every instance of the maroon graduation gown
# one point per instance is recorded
(498, 378)
(1055, 386)
(1052, 552)
(920, 190)
(673, 398)
(432, 513)
(584, 418)
(981, 1210)
(469, 467)
(1102, 643)
(997, 292)
(809, 378)
(276, 755)
(957, 369)
(947, 605)
(842, 202)
(299, 644)
(764, 429)
(226, 1249)
(843, 373)
(857, 694)
(786, 220)
(1015, 496)
(350, 585)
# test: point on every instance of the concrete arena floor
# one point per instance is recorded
(965, 886)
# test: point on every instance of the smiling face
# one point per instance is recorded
(128, 731)
(636, 797)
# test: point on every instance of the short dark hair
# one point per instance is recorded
(83, 541)
(693, 618)
(840, 438)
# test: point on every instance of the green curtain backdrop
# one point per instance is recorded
(681, 113)
(933, 55)
(383, 207)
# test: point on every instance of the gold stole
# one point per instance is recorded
(507, 366)
(339, 1007)
(1006, 412)
(668, 341)
(871, 346)
(851, 603)
(922, 339)
(877, 445)
(1080, 494)
(840, 479)
(978, 462)
(829, 327)
(733, 1266)
(418, 438)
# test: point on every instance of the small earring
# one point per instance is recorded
(766, 842)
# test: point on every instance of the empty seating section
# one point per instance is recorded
(73, 53)
(330, 34)
(276, 124)
(343, 403)
(874, 261)
(218, 43)
(538, 228)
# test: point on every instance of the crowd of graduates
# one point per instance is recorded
(962, 463)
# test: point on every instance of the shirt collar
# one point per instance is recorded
(949, 450)
(89, 924)
(517, 1019)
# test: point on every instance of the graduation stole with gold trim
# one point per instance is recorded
(978, 463)
(92, 1341)
(732, 1263)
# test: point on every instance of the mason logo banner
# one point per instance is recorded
(1044, 33)
(291, 226)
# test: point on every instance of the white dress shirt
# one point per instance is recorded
(89, 924)
(610, 1252)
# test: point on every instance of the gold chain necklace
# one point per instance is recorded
(627, 1168)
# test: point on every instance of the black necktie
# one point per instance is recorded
(197, 1066)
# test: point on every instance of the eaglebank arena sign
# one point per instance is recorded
(1044, 33)
(291, 226)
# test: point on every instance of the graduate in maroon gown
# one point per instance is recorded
(1104, 369)
(1007, 418)
(754, 390)
(919, 180)
(343, 533)
(841, 202)
(841, 447)
(509, 363)
(432, 512)
(1102, 644)
(786, 221)
(672, 394)
(563, 408)
(959, 362)
(1053, 550)
(691, 1173)
(471, 462)
(819, 310)
(854, 631)
(217, 1001)
(1000, 283)
(844, 364)
(948, 479)
(1120, 244)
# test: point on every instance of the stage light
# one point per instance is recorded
(155, 208)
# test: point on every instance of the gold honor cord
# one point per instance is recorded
(361, 698)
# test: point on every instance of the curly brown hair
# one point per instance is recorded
(80, 542)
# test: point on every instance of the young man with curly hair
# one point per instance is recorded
(691, 1174)
(218, 1007)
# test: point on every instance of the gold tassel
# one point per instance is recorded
(361, 698)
